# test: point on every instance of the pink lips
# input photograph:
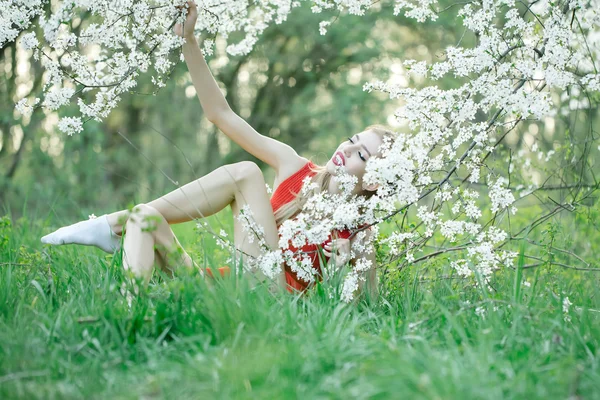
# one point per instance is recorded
(335, 159)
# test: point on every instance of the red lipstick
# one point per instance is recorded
(338, 159)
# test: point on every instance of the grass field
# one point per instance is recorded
(66, 331)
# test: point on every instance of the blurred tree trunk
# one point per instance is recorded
(28, 131)
(5, 120)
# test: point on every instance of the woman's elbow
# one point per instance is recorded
(218, 115)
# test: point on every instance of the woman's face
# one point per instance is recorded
(352, 155)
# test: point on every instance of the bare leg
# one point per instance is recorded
(236, 185)
(200, 198)
(149, 235)
(252, 192)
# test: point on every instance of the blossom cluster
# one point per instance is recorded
(522, 56)
(94, 65)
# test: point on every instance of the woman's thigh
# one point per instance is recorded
(252, 193)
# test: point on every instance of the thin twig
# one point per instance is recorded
(560, 264)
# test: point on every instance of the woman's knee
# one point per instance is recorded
(247, 171)
(145, 209)
(146, 215)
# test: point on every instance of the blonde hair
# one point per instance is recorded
(322, 179)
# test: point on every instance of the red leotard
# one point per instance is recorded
(283, 195)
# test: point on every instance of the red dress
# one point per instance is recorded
(285, 193)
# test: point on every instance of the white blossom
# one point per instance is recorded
(23, 106)
(500, 196)
(566, 306)
(70, 125)
(29, 41)
(323, 27)
(350, 286)
(57, 98)
(480, 312)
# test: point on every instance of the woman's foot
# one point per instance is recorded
(93, 232)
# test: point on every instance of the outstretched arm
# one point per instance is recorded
(212, 100)
(217, 109)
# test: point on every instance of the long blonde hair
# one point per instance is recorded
(322, 179)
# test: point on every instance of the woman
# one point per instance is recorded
(149, 238)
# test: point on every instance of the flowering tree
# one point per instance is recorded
(450, 178)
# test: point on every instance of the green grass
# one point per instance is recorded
(66, 331)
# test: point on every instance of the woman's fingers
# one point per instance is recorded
(338, 244)
(331, 244)
(191, 7)
(341, 248)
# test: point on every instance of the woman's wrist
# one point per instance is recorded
(190, 41)
(191, 49)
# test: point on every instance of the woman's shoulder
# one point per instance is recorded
(290, 168)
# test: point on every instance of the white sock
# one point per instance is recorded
(93, 232)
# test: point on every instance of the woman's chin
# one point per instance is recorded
(330, 167)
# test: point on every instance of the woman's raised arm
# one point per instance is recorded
(212, 100)
(217, 110)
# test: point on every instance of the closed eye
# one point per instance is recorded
(359, 155)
